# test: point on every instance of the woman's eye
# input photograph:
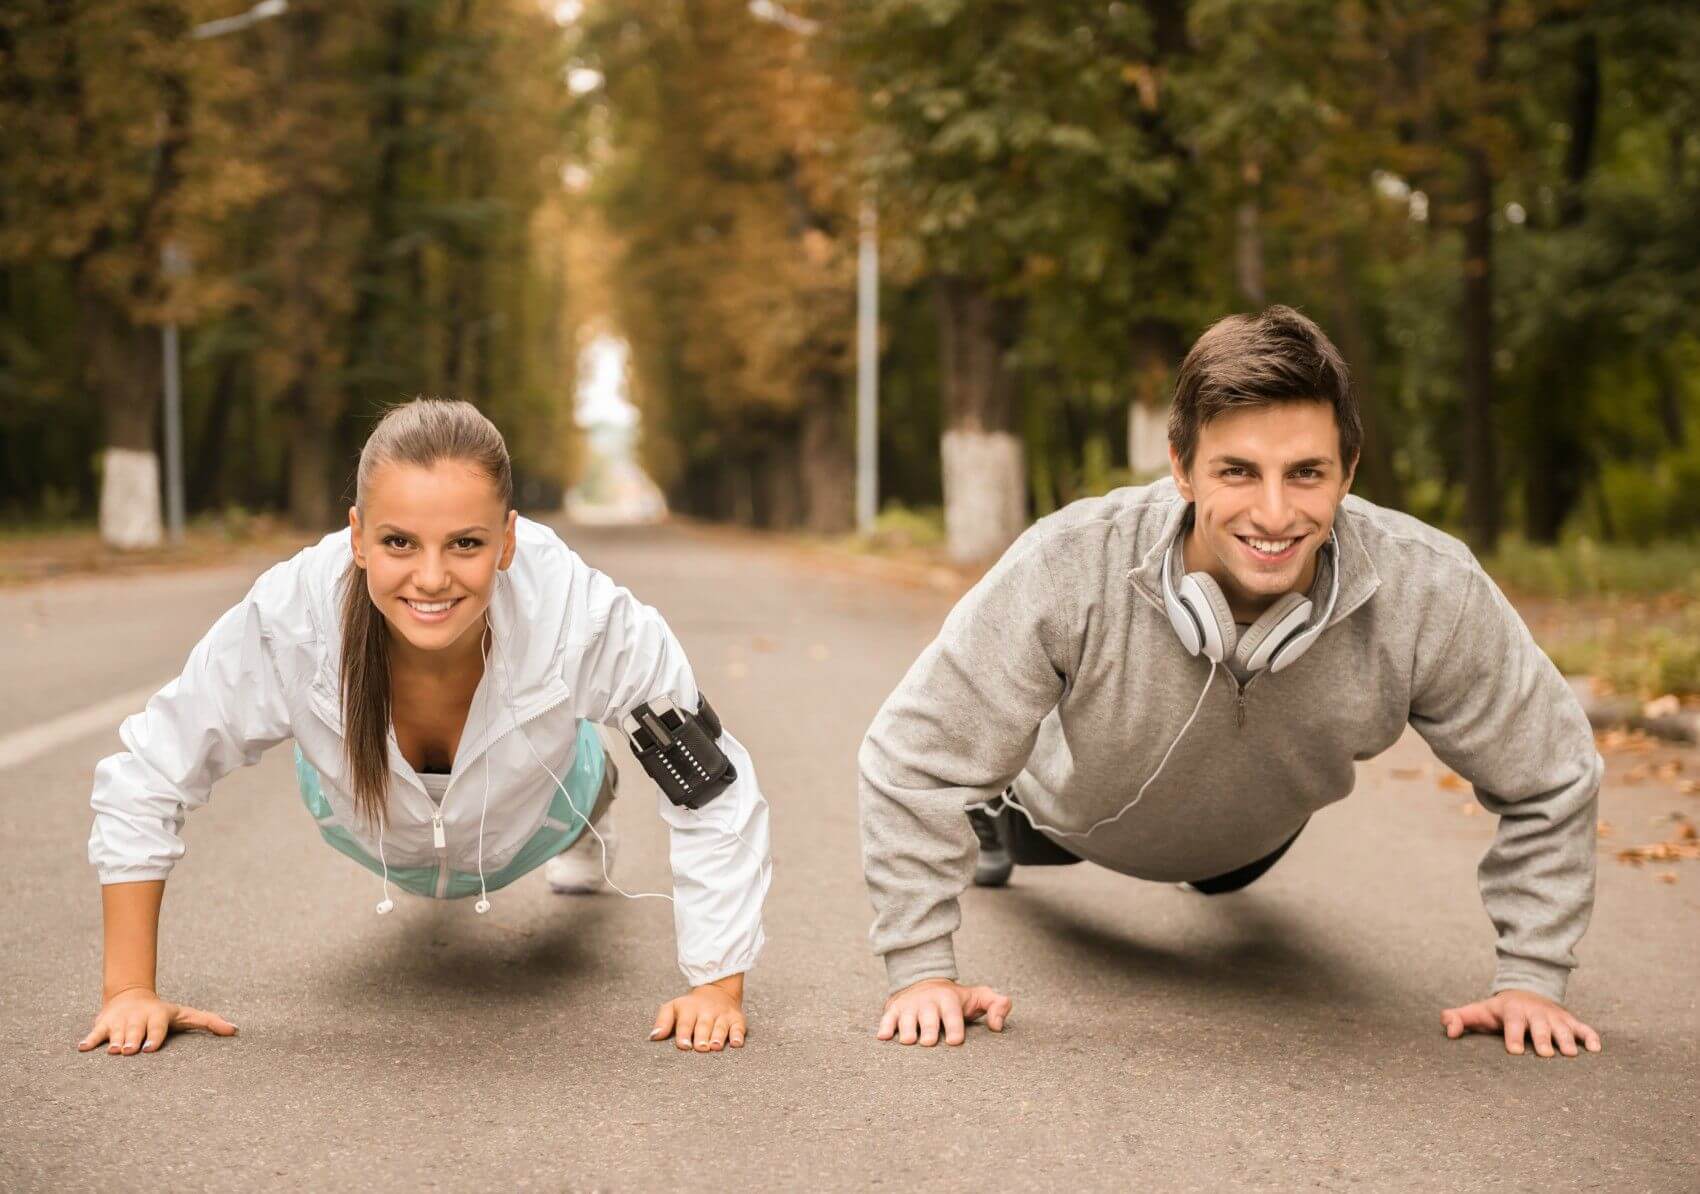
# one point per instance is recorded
(395, 542)
(469, 544)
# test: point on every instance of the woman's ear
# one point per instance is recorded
(354, 537)
(510, 541)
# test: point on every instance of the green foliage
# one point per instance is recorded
(1645, 661)
(1583, 567)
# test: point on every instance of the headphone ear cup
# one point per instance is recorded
(1272, 631)
(1200, 595)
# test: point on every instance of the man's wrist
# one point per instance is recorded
(915, 963)
(1530, 974)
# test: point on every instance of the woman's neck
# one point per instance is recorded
(461, 659)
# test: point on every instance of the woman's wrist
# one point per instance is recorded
(732, 984)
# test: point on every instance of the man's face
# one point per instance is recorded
(1265, 483)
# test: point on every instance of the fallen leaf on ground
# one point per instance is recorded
(1407, 773)
(1454, 782)
(1637, 774)
(1470, 808)
(1604, 829)
(1666, 876)
(1661, 852)
(1668, 770)
(1624, 741)
(1689, 787)
(1687, 833)
(1666, 706)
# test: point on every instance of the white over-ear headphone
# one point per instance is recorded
(1199, 613)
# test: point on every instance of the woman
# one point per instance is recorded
(438, 667)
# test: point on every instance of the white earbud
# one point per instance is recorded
(481, 907)
(385, 905)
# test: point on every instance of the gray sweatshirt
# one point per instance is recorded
(1059, 673)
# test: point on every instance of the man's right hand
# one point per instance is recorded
(137, 1021)
(917, 1012)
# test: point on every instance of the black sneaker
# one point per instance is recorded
(994, 866)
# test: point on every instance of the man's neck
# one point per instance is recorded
(1245, 607)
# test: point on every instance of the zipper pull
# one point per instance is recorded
(438, 838)
(1239, 712)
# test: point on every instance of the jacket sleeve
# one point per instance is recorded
(1496, 710)
(720, 882)
(225, 709)
(956, 731)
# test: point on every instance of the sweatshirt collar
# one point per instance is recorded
(1358, 577)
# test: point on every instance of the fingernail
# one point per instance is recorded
(656, 1035)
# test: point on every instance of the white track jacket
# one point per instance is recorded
(571, 646)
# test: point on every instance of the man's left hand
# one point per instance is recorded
(1520, 1013)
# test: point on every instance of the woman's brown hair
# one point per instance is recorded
(423, 432)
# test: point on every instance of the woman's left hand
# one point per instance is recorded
(708, 1019)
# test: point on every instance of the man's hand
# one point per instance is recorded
(707, 1020)
(137, 1021)
(916, 1013)
(1520, 1012)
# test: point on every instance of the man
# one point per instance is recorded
(1071, 706)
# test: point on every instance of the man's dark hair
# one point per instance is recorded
(1259, 360)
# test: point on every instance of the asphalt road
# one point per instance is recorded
(1284, 1037)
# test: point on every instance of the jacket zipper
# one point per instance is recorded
(1240, 693)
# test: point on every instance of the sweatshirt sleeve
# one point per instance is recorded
(956, 731)
(1496, 710)
(720, 882)
(221, 713)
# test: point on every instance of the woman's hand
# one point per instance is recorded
(708, 1019)
(137, 1021)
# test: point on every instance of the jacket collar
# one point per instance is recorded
(1358, 577)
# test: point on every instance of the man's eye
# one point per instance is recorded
(1233, 470)
(1308, 474)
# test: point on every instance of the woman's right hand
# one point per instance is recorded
(138, 1020)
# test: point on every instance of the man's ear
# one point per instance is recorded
(1351, 475)
(1179, 473)
(354, 536)
(510, 541)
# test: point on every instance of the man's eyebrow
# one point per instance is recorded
(1242, 462)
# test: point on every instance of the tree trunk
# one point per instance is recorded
(1376, 475)
(829, 472)
(1481, 458)
(311, 492)
(985, 484)
(1156, 351)
(124, 361)
(1556, 448)
(1248, 237)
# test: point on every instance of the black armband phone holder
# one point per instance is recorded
(681, 751)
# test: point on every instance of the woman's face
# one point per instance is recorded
(431, 541)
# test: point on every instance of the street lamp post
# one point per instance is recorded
(867, 370)
(174, 263)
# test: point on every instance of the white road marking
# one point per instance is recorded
(21, 747)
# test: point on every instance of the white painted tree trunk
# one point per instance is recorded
(1147, 441)
(984, 492)
(129, 499)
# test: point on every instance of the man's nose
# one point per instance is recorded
(1273, 508)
